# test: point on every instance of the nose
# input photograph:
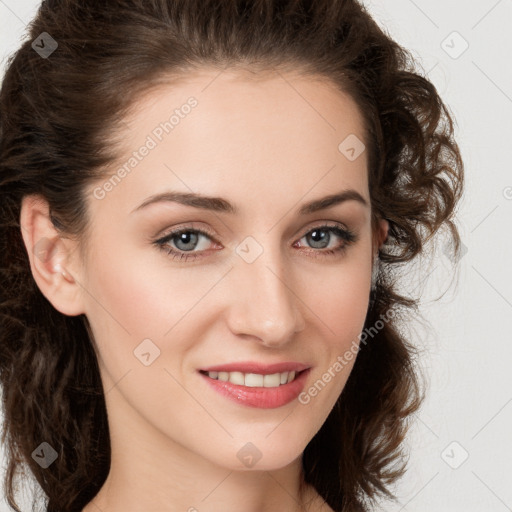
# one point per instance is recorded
(262, 301)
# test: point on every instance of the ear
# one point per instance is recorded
(380, 236)
(53, 259)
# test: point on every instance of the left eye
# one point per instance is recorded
(323, 234)
(187, 240)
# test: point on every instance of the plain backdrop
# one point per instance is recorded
(460, 443)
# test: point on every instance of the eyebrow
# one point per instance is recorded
(218, 204)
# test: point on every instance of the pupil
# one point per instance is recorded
(185, 238)
(319, 236)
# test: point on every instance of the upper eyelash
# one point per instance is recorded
(347, 235)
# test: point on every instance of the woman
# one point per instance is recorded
(205, 211)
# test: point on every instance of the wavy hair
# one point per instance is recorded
(57, 115)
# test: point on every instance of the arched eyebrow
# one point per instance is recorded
(221, 205)
(332, 200)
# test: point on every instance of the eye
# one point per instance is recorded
(187, 243)
(185, 240)
(321, 236)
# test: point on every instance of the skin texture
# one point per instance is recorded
(268, 148)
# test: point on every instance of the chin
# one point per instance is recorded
(264, 453)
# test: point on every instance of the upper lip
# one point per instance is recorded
(262, 369)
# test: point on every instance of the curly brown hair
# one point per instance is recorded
(57, 116)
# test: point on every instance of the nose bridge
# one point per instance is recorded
(263, 304)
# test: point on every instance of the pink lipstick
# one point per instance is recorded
(258, 385)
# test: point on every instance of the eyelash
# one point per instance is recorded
(348, 236)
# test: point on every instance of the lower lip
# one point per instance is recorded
(264, 398)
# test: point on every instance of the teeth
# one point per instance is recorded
(253, 380)
(236, 378)
(272, 381)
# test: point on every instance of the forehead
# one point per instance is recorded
(242, 92)
(276, 134)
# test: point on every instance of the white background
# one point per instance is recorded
(468, 345)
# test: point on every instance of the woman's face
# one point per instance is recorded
(261, 282)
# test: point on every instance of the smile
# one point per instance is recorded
(253, 380)
(258, 390)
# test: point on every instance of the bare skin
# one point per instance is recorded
(267, 148)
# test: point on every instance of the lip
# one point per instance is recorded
(262, 369)
(260, 397)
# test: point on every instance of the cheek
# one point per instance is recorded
(339, 310)
(341, 301)
(137, 297)
(132, 291)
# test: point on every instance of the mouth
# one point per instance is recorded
(254, 380)
(264, 391)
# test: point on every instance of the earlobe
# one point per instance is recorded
(51, 257)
